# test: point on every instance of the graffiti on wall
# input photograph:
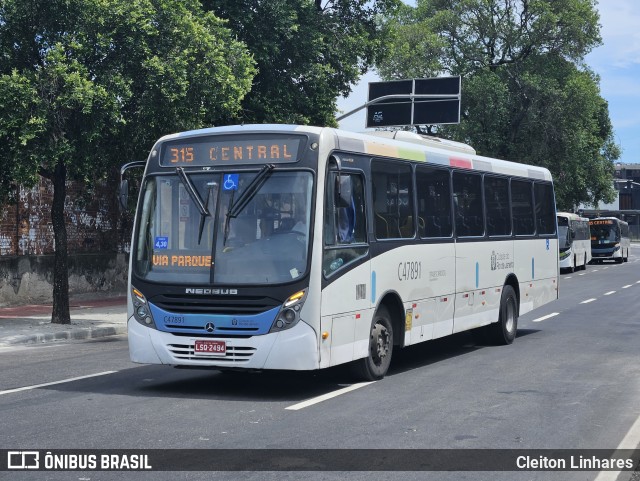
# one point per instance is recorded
(93, 222)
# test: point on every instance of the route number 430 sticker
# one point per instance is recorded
(161, 243)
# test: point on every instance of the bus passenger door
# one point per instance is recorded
(345, 305)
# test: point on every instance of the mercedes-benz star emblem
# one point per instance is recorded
(209, 327)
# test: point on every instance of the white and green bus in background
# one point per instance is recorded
(574, 241)
(301, 248)
(610, 239)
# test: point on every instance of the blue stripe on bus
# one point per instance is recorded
(373, 287)
(250, 324)
(533, 268)
(477, 274)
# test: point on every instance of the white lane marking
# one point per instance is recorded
(637, 282)
(544, 318)
(568, 277)
(21, 347)
(630, 441)
(583, 274)
(609, 293)
(594, 270)
(36, 386)
(588, 301)
(627, 286)
(324, 397)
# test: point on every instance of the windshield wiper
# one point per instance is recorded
(247, 194)
(195, 197)
(251, 190)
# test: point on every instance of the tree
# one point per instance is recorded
(89, 84)
(526, 95)
(308, 53)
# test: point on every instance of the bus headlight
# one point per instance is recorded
(141, 310)
(616, 247)
(289, 314)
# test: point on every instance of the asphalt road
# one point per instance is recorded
(571, 380)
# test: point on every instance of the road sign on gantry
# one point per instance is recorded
(414, 102)
(396, 110)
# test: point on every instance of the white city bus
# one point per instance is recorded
(301, 248)
(574, 241)
(610, 239)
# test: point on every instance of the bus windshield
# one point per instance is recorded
(564, 233)
(185, 235)
(604, 233)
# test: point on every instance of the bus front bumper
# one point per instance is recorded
(292, 349)
(606, 254)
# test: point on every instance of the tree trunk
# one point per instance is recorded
(60, 314)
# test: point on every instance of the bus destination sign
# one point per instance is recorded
(601, 222)
(210, 151)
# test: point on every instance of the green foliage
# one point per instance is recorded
(93, 83)
(308, 53)
(19, 126)
(87, 85)
(417, 50)
(490, 33)
(526, 95)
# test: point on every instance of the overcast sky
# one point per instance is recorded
(617, 62)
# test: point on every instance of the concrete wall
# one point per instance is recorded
(29, 279)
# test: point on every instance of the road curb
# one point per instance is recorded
(70, 334)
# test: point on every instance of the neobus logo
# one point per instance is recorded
(214, 292)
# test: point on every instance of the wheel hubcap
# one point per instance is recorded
(380, 343)
(509, 325)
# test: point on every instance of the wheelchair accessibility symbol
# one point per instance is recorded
(230, 182)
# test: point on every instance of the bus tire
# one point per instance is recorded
(375, 365)
(584, 264)
(626, 259)
(504, 331)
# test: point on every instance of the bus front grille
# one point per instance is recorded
(234, 354)
(226, 305)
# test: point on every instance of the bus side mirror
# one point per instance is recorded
(123, 195)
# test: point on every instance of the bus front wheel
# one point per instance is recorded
(376, 364)
(504, 331)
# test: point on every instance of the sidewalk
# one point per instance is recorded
(91, 318)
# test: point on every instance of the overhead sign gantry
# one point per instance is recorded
(425, 101)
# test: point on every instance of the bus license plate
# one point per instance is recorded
(212, 348)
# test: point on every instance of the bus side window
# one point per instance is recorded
(522, 207)
(545, 208)
(467, 195)
(344, 221)
(393, 200)
(496, 195)
(434, 202)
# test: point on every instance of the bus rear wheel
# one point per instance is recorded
(376, 364)
(504, 331)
